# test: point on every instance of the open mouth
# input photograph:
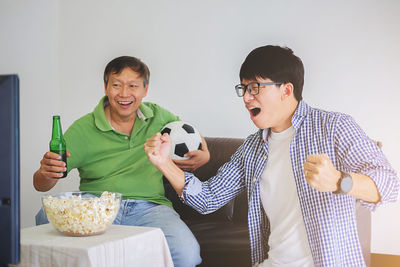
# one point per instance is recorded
(124, 103)
(254, 111)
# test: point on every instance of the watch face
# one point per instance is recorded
(346, 184)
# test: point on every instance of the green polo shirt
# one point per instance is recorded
(113, 161)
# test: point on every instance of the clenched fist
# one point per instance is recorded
(320, 173)
(157, 149)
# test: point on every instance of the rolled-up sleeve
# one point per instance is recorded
(360, 154)
(192, 185)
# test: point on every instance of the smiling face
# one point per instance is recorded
(125, 91)
(273, 107)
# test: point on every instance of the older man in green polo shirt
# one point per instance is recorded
(106, 146)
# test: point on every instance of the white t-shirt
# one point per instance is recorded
(288, 240)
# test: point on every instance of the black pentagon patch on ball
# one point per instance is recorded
(189, 129)
(181, 149)
(199, 148)
(166, 130)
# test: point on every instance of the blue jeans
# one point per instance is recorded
(185, 251)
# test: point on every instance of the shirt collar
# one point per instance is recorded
(264, 134)
(144, 112)
(301, 112)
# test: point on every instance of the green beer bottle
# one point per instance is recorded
(57, 142)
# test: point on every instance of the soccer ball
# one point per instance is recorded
(184, 138)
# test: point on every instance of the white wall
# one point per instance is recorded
(194, 50)
(29, 47)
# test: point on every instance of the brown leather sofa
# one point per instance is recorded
(223, 235)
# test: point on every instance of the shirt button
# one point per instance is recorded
(126, 137)
(265, 157)
(254, 179)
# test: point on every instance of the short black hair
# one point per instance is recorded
(118, 64)
(276, 63)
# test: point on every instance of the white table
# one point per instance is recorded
(118, 246)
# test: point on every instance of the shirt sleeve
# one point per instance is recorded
(359, 154)
(165, 115)
(210, 195)
(76, 141)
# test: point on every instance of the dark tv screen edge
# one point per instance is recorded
(9, 170)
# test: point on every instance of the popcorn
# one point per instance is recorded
(82, 216)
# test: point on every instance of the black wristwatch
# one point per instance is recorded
(345, 183)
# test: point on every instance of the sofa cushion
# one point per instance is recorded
(222, 243)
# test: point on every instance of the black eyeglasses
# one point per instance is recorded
(252, 88)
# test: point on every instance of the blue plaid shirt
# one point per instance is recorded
(329, 218)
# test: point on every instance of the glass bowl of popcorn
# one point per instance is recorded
(82, 213)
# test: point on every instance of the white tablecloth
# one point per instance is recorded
(118, 246)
